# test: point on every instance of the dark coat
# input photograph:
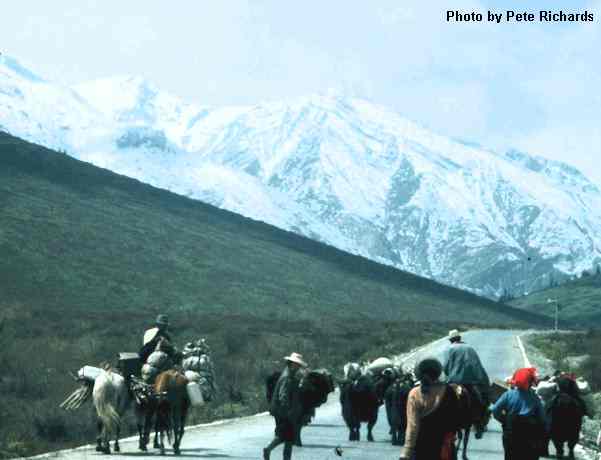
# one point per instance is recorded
(286, 401)
(150, 346)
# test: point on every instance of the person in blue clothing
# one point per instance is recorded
(462, 366)
(520, 411)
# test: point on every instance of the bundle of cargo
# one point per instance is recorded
(198, 348)
(86, 377)
(587, 397)
(352, 371)
(199, 370)
(377, 366)
(158, 361)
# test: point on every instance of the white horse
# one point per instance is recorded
(111, 399)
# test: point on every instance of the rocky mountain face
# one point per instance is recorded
(339, 170)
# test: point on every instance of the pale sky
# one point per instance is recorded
(532, 86)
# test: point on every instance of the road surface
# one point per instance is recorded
(245, 438)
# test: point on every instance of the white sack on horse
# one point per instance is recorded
(149, 373)
(198, 364)
(379, 365)
(192, 376)
(159, 359)
(352, 371)
(583, 386)
(89, 373)
(546, 390)
(200, 370)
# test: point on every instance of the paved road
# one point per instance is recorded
(245, 438)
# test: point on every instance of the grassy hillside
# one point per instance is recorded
(579, 301)
(76, 236)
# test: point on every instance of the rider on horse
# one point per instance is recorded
(462, 366)
(153, 335)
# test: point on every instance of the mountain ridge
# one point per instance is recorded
(75, 236)
(344, 171)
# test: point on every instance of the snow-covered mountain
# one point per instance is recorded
(340, 170)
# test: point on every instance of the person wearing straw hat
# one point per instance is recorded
(462, 366)
(153, 335)
(286, 406)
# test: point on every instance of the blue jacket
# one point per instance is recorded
(518, 402)
(462, 366)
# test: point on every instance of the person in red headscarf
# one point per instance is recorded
(520, 411)
(525, 378)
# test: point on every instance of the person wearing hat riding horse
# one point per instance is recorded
(153, 335)
(462, 366)
(286, 406)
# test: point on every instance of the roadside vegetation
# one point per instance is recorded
(579, 353)
(573, 352)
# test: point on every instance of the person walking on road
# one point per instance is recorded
(286, 406)
(520, 411)
(432, 420)
(462, 366)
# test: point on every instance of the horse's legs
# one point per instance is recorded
(157, 430)
(287, 451)
(99, 437)
(297, 435)
(558, 448)
(465, 441)
(370, 426)
(141, 428)
(354, 431)
(571, 444)
(116, 447)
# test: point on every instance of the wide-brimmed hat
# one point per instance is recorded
(454, 334)
(296, 358)
(162, 320)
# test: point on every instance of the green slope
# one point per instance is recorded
(579, 300)
(79, 237)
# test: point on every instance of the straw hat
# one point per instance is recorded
(296, 358)
(454, 334)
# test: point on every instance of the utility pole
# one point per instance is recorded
(556, 312)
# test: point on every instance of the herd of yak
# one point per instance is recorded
(164, 405)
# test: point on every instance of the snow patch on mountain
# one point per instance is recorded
(341, 170)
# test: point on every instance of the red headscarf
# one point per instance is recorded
(524, 378)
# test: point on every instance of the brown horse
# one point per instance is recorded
(172, 407)
(472, 413)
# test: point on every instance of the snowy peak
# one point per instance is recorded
(338, 169)
(120, 97)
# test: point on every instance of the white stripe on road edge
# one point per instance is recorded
(522, 349)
